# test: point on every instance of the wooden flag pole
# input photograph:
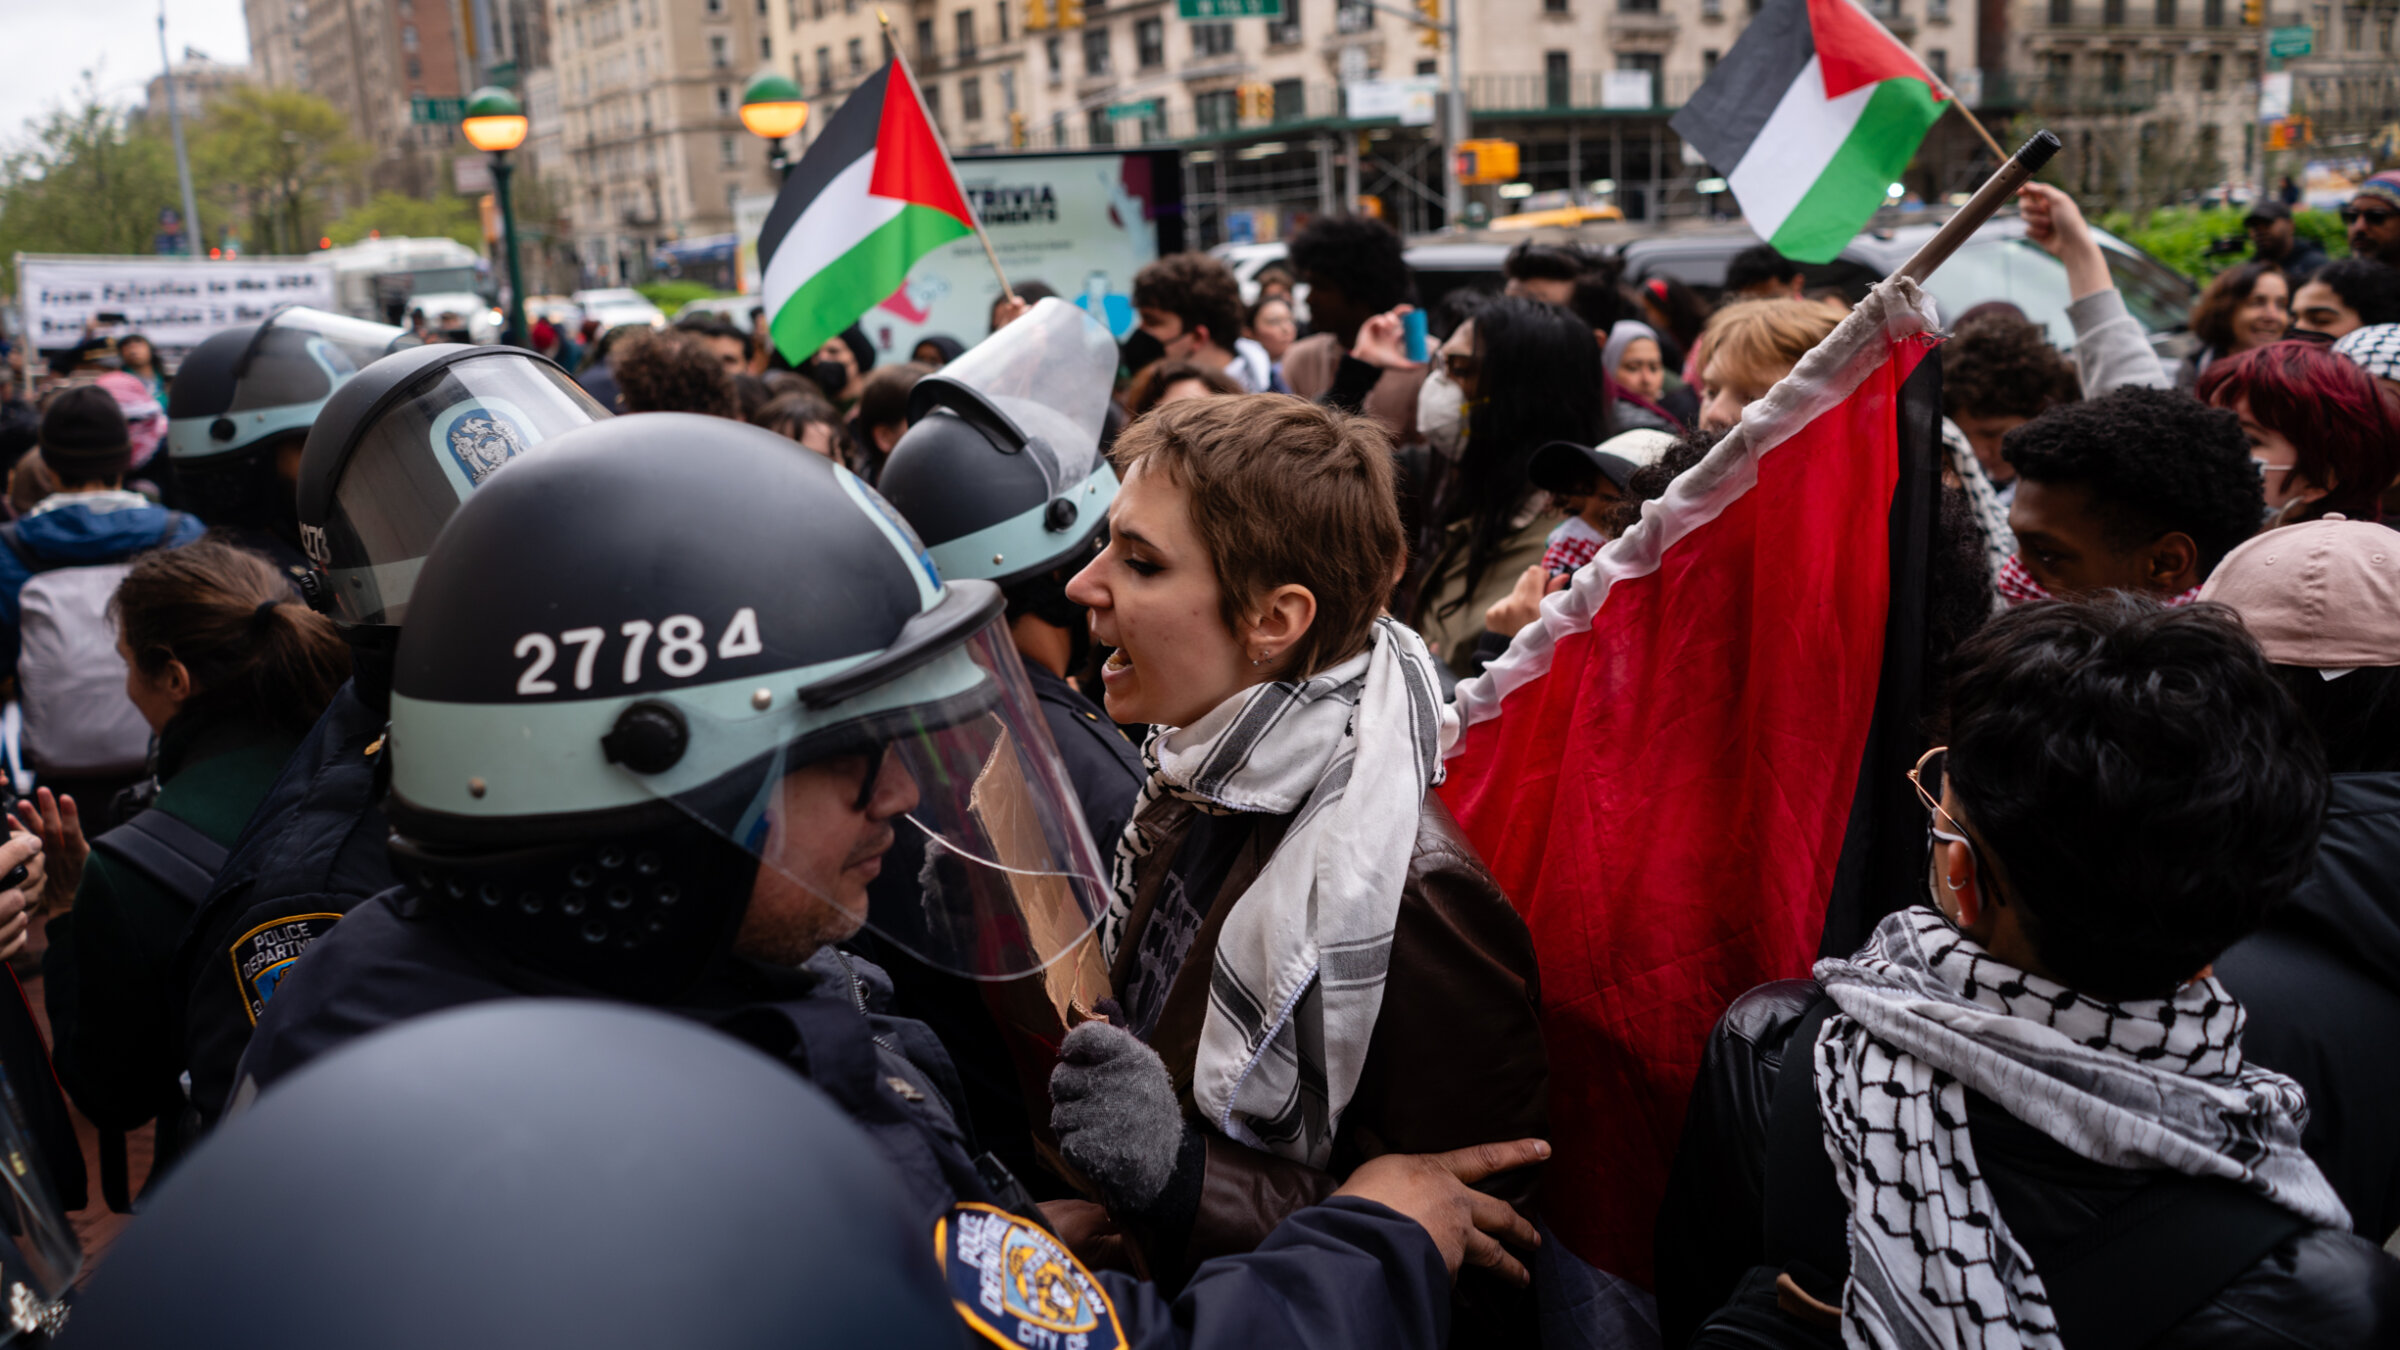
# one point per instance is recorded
(2013, 173)
(974, 217)
(1977, 123)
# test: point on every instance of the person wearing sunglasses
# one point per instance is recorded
(2373, 219)
(2021, 1114)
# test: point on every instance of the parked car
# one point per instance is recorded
(733, 309)
(1999, 263)
(618, 306)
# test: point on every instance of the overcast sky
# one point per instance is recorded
(50, 43)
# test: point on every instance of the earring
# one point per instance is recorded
(1263, 657)
(1954, 885)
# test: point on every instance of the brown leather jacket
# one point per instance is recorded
(1457, 1055)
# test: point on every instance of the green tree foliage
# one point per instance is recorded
(395, 215)
(2181, 236)
(83, 179)
(272, 157)
(674, 295)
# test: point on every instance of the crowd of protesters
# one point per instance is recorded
(2116, 1060)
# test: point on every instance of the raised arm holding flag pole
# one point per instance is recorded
(875, 193)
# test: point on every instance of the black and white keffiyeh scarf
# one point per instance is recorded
(1300, 961)
(1926, 1015)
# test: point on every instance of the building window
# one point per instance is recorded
(970, 99)
(925, 51)
(2354, 31)
(2112, 12)
(1285, 31)
(720, 50)
(724, 101)
(824, 70)
(1219, 110)
(1637, 6)
(2112, 72)
(1708, 64)
(1554, 79)
(1054, 54)
(2062, 11)
(2162, 72)
(729, 154)
(416, 69)
(1008, 89)
(1000, 12)
(2212, 13)
(964, 22)
(716, 8)
(858, 57)
(1212, 39)
(408, 37)
(933, 102)
(1291, 100)
(1150, 43)
(1352, 18)
(1095, 51)
(1097, 126)
(766, 48)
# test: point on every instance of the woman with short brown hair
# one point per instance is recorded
(1312, 964)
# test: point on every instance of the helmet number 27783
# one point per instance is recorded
(680, 650)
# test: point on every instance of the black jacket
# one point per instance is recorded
(2321, 1288)
(2306, 258)
(2322, 983)
(1345, 1272)
(312, 852)
(1105, 768)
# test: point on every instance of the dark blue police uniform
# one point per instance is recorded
(1347, 1272)
(1105, 768)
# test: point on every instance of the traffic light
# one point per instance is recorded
(1016, 131)
(1070, 13)
(1257, 102)
(1429, 35)
(1486, 162)
(1037, 15)
(2254, 12)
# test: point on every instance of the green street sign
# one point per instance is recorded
(2297, 40)
(433, 111)
(1228, 9)
(1144, 111)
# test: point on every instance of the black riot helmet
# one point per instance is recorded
(248, 391)
(1001, 471)
(529, 1173)
(619, 650)
(399, 446)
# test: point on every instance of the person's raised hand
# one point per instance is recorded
(53, 819)
(1511, 613)
(1435, 1189)
(17, 902)
(1383, 341)
(1008, 309)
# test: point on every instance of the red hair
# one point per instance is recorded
(2344, 427)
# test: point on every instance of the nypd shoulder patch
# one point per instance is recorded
(264, 955)
(1018, 1285)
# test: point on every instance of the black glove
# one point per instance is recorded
(1114, 1110)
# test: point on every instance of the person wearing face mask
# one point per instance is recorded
(2326, 437)
(1192, 305)
(1298, 988)
(1526, 374)
(840, 366)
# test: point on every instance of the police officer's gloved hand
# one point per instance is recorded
(1118, 1122)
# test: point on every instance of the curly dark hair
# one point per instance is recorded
(2213, 312)
(1359, 254)
(2154, 460)
(662, 370)
(2140, 779)
(2365, 285)
(1649, 482)
(1195, 288)
(1998, 364)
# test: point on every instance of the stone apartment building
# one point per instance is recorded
(649, 146)
(198, 83)
(370, 58)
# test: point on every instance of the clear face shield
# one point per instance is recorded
(425, 453)
(1049, 374)
(930, 806)
(317, 351)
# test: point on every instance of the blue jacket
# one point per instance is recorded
(1346, 1272)
(80, 529)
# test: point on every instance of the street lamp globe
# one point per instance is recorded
(495, 121)
(772, 107)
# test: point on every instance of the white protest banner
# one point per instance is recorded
(175, 302)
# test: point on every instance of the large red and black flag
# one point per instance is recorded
(1689, 773)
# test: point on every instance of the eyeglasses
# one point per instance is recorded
(2352, 215)
(1930, 767)
(1460, 366)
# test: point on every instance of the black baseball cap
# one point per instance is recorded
(1567, 466)
(2267, 209)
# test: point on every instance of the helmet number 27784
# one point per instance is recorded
(680, 650)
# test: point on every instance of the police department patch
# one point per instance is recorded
(264, 955)
(474, 438)
(1019, 1286)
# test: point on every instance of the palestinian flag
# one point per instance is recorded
(873, 195)
(1812, 117)
(1688, 774)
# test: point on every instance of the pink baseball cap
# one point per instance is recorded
(2324, 595)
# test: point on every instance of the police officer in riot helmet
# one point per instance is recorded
(523, 1174)
(666, 694)
(241, 406)
(390, 457)
(1002, 474)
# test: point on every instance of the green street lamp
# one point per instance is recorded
(495, 124)
(773, 109)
